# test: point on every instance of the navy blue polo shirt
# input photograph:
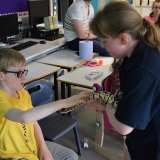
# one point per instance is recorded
(139, 106)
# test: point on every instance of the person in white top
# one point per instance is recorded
(76, 26)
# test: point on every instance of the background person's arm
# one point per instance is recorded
(78, 25)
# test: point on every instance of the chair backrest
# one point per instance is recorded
(109, 84)
(41, 92)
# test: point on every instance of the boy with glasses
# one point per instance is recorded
(20, 134)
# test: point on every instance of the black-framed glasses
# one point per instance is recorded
(156, 7)
(19, 74)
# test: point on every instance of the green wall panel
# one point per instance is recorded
(95, 5)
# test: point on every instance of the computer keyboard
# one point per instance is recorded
(54, 37)
(24, 45)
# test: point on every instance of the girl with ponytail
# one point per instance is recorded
(126, 35)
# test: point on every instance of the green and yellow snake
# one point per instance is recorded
(102, 97)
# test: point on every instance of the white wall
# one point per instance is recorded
(101, 3)
(144, 11)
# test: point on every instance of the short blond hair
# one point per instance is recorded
(10, 57)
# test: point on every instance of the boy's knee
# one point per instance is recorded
(74, 155)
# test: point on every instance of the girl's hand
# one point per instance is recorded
(96, 105)
(116, 93)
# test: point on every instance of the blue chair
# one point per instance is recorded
(55, 125)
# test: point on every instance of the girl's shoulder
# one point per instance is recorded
(150, 19)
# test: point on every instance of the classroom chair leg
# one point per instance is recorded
(77, 141)
(97, 144)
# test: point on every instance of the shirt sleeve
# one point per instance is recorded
(4, 107)
(140, 98)
(6, 103)
(75, 12)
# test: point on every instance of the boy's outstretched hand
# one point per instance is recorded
(75, 100)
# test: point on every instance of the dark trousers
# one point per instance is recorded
(74, 45)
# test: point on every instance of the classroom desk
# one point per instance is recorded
(77, 77)
(39, 50)
(38, 71)
(65, 58)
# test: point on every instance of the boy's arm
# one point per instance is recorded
(44, 153)
(42, 111)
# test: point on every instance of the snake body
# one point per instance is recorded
(101, 97)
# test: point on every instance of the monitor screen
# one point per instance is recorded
(13, 6)
(9, 25)
(38, 9)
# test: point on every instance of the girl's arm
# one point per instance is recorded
(120, 127)
(110, 111)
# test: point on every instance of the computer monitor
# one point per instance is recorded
(8, 26)
(63, 6)
(38, 9)
(13, 6)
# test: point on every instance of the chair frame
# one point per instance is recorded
(97, 143)
(47, 124)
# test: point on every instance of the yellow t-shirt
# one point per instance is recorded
(16, 139)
